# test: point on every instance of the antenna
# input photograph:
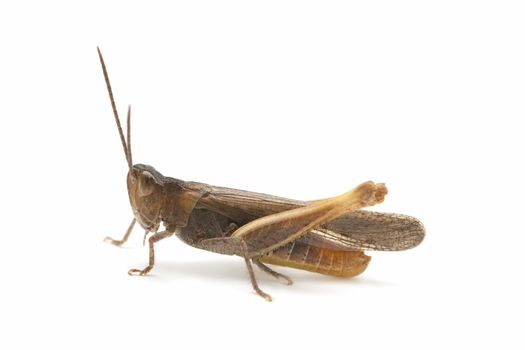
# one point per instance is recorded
(127, 149)
(128, 139)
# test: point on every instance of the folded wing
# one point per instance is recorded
(356, 230)
(367, 230)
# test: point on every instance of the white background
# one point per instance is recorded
(303, 99)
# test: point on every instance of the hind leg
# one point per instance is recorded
(234, 246)
(269, 271)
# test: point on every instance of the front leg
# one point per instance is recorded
(119, 242)
(155, 238)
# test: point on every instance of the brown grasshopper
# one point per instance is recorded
(327, 236)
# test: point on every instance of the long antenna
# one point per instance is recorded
(128, 139)
(127, 150)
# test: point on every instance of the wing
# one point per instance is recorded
(367, 230)
(245, 206)
(357, 230)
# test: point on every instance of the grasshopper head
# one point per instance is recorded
(146, 195)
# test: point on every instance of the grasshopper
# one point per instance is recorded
(327, 236)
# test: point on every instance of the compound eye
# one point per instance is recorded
(133, 178)
(146, 184)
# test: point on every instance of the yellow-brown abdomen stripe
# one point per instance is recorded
(322, 260)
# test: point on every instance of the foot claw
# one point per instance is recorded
(137, 272)
(288, 280)
(266, 297)
(110, 240)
